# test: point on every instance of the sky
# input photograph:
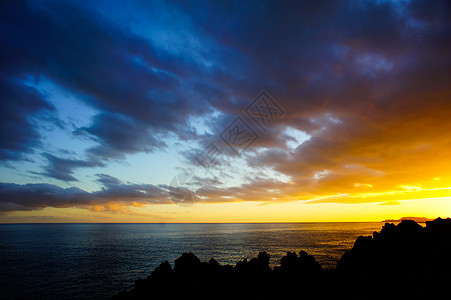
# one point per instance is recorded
(224, 111)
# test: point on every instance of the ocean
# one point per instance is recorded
(95, 261)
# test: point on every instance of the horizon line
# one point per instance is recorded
(35, 223)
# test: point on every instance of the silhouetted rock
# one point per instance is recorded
(256, 265)
(187, 263)
(401, 261)
(439, 226)
(261, 262)
(213, 265)
(409, 227)
(308, 263)
(403, 255)
(301, 265)
(290, 263)
(164, 268)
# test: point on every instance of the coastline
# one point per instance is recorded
(402, 255)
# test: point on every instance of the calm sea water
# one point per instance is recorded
(62, 261)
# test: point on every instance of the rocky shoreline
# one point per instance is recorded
(401, 261)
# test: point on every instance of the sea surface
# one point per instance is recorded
(95, 261)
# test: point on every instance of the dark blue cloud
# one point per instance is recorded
(118, 135)
(108, 67)
(18, 133)
(18, 197)
(63, 168)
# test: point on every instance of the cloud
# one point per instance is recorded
(18, 132)
(136, 86)
(63, 168)
(118, 135)
(38, 196)
(17, 197)
(107, 180)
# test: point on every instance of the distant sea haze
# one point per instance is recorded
(57, 261)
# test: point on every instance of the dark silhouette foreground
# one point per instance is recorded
(404, 261)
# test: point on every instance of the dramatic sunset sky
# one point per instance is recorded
(106, 104)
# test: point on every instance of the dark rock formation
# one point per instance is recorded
(304, 264)
(407, 248)
(399, 262)
(409, 259)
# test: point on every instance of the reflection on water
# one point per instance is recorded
(98, 260)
